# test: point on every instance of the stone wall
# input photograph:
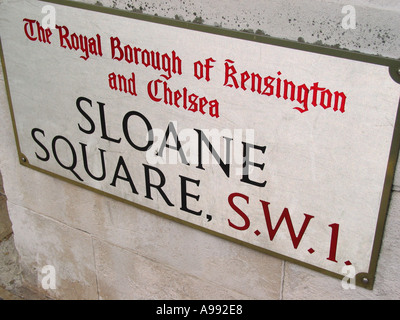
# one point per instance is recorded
(5, 223)
(104, 249)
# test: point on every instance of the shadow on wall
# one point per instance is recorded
(5, 223)
(11, 279)
(8, 254)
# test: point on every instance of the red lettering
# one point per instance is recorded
(254, 87)
(342, 97)
(245, 218)
(214, 108)
(202, 103)
(326, 99)
(315, 90)
(179, 98)
(100, 52)
(285, 216)
(43, 35)
(230, 71)
(244, 76)
(79, 42)
(75, 41)
(116, 45)
(286, 85)
(334, 240)
(302, 97)
(283, 88)
(176, 63)
(193, 102)
(167, 94)
(64, 33)
(29, 32)
(268, 86)
(153, 93)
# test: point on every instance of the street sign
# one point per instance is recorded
(285, 147)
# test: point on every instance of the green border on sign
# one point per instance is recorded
(365, 280)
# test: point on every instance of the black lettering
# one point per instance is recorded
(85, 163)
(103, 125)
(121, 164)
(159, 186)
(224, 166)
(88, 118)
(185, 194)
(47, 153)
(150, 139)
(247, 163)
(74, 158)
(171, 129)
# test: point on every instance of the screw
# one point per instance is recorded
(365, 280)
(23, 159)
(398, 71)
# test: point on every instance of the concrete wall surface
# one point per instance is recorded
(105, 249)
(5, 223)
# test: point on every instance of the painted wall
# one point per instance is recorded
(103, 249)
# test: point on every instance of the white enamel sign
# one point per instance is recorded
(280, 148)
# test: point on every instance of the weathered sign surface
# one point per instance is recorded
(284, 147)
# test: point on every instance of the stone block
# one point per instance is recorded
(42, 242)
(124, 274)
(194, 252)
